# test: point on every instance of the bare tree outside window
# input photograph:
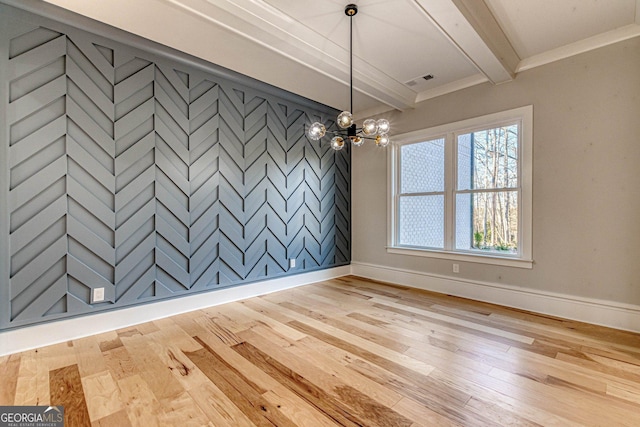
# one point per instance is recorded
(463, 191)
(487, 190)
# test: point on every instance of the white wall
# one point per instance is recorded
(586, 194)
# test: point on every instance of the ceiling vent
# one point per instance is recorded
(419, 80)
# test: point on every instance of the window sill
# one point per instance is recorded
(457, 256)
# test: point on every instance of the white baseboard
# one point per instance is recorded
(15, 341)
(599, 312)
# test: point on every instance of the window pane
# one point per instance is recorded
(487, 221)
(422, 221)
(488, 159)
(422, 167)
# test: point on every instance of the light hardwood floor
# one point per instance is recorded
(347, 352)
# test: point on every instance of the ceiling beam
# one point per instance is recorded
(472, 28)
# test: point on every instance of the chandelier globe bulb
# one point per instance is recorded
(383, 126)
(337, 143)
(369, 127)
(345, 119)
(382, 140)
(316, 131)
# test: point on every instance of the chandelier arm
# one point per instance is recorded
(344, 133)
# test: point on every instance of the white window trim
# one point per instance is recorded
(522, 114)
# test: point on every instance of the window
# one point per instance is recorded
(462, 191)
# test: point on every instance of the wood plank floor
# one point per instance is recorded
(349, 352)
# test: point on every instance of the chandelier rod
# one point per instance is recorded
(351, 60)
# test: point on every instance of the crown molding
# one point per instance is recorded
(591, 43)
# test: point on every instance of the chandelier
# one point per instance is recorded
(376, 130)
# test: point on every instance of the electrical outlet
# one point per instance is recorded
(98, 294)
(292, 263)
(456, 268)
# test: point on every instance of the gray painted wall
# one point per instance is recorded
(586, 179)
(150, 176)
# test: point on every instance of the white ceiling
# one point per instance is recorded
(302, 45)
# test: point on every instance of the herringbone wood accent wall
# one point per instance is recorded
(150, 177)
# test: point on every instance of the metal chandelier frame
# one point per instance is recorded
(348, 130)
